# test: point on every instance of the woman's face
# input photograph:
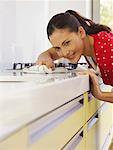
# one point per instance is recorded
(67, 44)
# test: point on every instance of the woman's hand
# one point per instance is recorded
(45, 59)
(95, 88)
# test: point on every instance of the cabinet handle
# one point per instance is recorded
(74, 141)
(92, 121)
(90, 97)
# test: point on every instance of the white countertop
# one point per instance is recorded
(23, 102)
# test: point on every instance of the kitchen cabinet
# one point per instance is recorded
(76, 122)
(63, 129)
(52, 131)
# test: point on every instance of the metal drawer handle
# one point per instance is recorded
(93, 121)
(75, 140)
(90, 97)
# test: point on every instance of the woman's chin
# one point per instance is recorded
(72, 60)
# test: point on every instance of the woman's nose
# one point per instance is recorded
(66, 53)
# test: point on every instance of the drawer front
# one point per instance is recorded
(17, 141)
(92, 133)
(50, 132)
(77, 142)
(58, 132)
(92, 106)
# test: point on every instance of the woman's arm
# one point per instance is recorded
(95, 89)
(47, 58)
(107, 96)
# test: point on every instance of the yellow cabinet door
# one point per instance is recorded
(92, 133)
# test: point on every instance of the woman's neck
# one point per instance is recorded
(89, 47)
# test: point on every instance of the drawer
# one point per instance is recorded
(92, 133)
(77, 142)
(52, 131)
(92, 106)
(63, 125)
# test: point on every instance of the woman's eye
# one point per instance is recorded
(67, 43)
(57, 48)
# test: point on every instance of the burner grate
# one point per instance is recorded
(20, 66)
(69, 66)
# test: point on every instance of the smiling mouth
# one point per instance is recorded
(71, 56)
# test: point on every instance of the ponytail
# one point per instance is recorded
(72, 21)
(89, 26)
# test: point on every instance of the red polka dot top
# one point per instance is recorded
(103, 47)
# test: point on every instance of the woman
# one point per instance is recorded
(72, 36)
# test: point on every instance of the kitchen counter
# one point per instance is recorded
(23, 102)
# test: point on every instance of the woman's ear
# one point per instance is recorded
(81, 32)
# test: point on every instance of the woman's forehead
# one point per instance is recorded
(59, 35)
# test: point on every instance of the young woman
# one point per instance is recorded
(72, 36)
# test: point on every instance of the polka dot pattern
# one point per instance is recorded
(103, 47)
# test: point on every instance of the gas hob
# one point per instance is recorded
(17, 75)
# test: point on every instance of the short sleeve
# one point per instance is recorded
(103, 47)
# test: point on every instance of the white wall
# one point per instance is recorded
(57, 6)
(22, 31)
(96, 11)
(23, 26)
(30, 28)
(7, 31)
